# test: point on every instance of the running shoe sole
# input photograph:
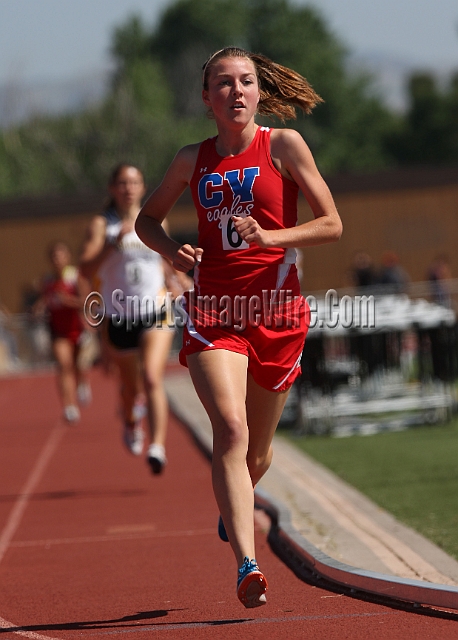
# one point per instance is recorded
(252, 589)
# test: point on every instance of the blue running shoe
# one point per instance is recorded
(222, 530)
(251, 584)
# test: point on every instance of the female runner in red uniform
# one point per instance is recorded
(246, 321)
(63, 295)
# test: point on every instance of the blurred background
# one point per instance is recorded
(85, 85)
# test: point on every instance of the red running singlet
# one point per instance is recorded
(64, 321)
(245, 184)
(246, 299)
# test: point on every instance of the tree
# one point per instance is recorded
(428, 133)
(130, 42)
(188, 32)
(346, 132)
(154, 101)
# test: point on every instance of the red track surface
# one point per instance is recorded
(93, 546)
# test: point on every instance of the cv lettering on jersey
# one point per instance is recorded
(209, 194)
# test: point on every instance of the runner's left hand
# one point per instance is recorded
(250, 231)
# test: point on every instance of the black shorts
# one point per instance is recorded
(123, 338)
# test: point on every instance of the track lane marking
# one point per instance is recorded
(118, 537)
(4, 624)
(34, 478)
(20, 506)
(112, 538)
(176, 626)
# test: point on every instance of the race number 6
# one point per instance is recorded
(231, 239)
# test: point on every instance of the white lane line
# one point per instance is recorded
(113, 538)
(17, 512)
(4, 624)
(24, 497)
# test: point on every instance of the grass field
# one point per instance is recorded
(413, 474)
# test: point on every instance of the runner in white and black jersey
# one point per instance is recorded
(131, 280)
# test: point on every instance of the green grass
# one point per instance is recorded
(413, 474)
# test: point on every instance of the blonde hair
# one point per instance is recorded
(281, 89)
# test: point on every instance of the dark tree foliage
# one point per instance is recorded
(130, 42)
(428, 134)
(154, 103)
(189, 31)
(345, 133)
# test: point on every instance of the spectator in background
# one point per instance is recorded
(393, 278)
(31, 292)
(61, 299)
(36, 332)
(363, 273)
(439, 275)
(7, 337)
